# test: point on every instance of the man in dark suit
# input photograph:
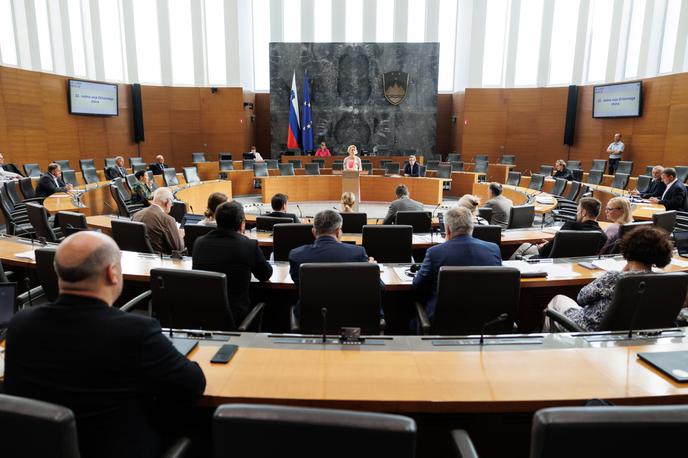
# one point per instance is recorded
(279, 204)
(51, 182)
(327, 229)
(412, 169)
(674, 196)
(560, 170)
(117, 170)
(158, 166)
(109, 367)
(656, 187)
(226, 250)
(460, 249)
(403, 203)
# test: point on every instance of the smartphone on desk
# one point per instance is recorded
(224, 354)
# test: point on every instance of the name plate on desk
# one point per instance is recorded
(489, 341)
(318, 341)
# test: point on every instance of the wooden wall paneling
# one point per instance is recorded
(458, 99)
(61, 128)
(156, 122)
(4, 141)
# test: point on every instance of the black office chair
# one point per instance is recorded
(681, 221)
(513, 179)
(90, 175)
(480, 301)
(151, 180)
(352, 223)
(45, 271)
(665, 220)
(266, 223)
(628, 227)
(574, 188)
(620, 180)
(624, 167)
(270, 431)
(421, 222)
(286, 169)
(131, 181)
(131, 236)
(456, 166)
(480, 167)
(64, 164)
(124, 205)
(224, 156)
(349, 307)
(521, 216)
(388, 243)
(18, 203)
(559, 186)
(272, 164)
(508, 159)
(178, 210)
(481, 158)
(169, 177)
(546, 170)
(641, 301)
(192, 232)
(595, 177)
(136, 161)
(225, 166)
(366, 167)
(485, 213)
(573, 165)
(392, 168)
(488, 233)
(109, 162)
(296, 163)
(27, 189)
(431, 165)
(445, 171)
(598, 165)
(16, 221)
(247, 164)
(384, 162)
(71, 222)
(136, 167)
(38, 217)
(35, 428)
(197, 157)
(454, 157)
(537, 180)
(86, 164)
(287, 236)
(577, 175)
(321, 162)
(260, 170)
(569, 244)
(681, 173)
(312, 169)
(32, 170)
(643, 183)
(339, 166)
(69, 177)
(191, 174)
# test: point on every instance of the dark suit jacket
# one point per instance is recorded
(462, 250)
(237, 257)
(284, 215)
(655, 189)
(566, 173)
(412, 171)
(324, 249)
(115, 172)
(545, 251)
(157, 168)
(46, 185)
(675, 197)
(399, 205)
(106, 365)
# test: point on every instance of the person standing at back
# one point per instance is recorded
(352, 162)
(402, 203)
(500, 205)
(615, 150)
(164, 235)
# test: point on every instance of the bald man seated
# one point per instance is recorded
(158, 166)
(163, 233)
(109, 367)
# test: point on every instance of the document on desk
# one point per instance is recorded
(427, 238)
(609, 264)
(553, 270)
(679, 263)
(401, 273)
(26, 255)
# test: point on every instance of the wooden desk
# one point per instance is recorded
(196, 195)
(375, 160)
(382, 189)
(96, 200)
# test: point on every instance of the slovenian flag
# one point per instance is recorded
(293, 135)
(306, 118)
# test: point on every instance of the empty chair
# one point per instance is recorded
(169, 177)
(536, 182)
(124, 206)
(559, 186)
(197, 157)
(151, 180)
(71, 222)
(643, 182)
(32, 170)
(287, 169)
(247, 164)
(272, 164)
(86, 164)
(339, 165)
(508, 159)
(244, 429)
(296, 163)
(90, 175)
(481, 158)
(598, 165)
(480, 167)
(432, 165)
(224, 156)
(64, 164)
(569, 244)
(485, 213)
(12, 187)
(131, 236)
(69, 177)
(573, 165)
(17, 221)
(136, 167)
(38, 217)
(226, 165)
(620, 180)
(192, 232)
(384, 162)
(665, 220)
(321, 162)
(136, 161)
(45, 271)
(266, 223)
(312, 169)
(480, 303)
(392, 168)
(178, 210)
(454, 157)
(131, 181)
(595, 177)
(286, 237)
(546, 170)
(191, 175)
(513, 179)
(388, 243)
(681, 173)
(421, 222)
(624, 167)
(574, 187)
(27, 188)
(444, 170)
(260, 169)
(35, 428)
(521, 216)
(577, 174)
(488, 233)
(352, 223)
(456, 166)
(626, 228)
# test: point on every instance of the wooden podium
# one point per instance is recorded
(352, 183)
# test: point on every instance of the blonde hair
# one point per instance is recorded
(348, 150)
(560, 162)
(470, 202)
(626, 216)
(348, 200)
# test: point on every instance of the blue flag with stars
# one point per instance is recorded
(306, 118)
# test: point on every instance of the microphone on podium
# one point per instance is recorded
(499, 319)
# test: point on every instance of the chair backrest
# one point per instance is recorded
(286, 169)
(454, 157)
(136, 161)
(546, 170)
(488, 233)
(191, 174)
(90, 175)
(352, 223)
(595, 177)
(646, 301)
(169, 176)
(367, 166)
(64, 164)
(321, 162)
(666, 220)
(681, 173)
(574, 187)
(192, 232)
(559, 186)
(242, 430)
(385, 243)
(421, 169)
(109, 162)
(86, 164)
(421, 222)
(620, 180)
(260, 169)
(643, 182)
(480, 167)
(136, 167)
(224, 156)
(648, 169)
(568, 244)
(351, 307)
(71, 222)
(444, 170)
(481, 158)
(197, 157)
(178, 210)
(521, 216)
(175, 295)
(38, 217)
(120, 200)
(266, 223)
(626, 228)
(247, 164)
(131, 180)
(272, 164)
(431, 165)
(131, 236)
(577, 174)
(384, 162)
(287, 236)
(508, 159)
(624, 167)
(35, 428)
(536, 181)
(480, 300)
(598, 165)
(513, 179)
(485, 213)
(339, 165)
(226, 164)
(312, 169)
(456, 166)
(151, 180)
(32, 170)
(12, 187)
(123, 188)
(296, 163)
(573, 164)
(45, 270)
(27, 189)
(392, 168)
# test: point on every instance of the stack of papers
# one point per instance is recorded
(544, 199)
(553, 270)
(610, 264)
(26, 255)
(679, 263)
(401, 273)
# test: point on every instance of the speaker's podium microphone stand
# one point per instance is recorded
(351, 182)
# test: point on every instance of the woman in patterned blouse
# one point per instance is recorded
(642, 248)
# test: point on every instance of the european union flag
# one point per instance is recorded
(306, 118)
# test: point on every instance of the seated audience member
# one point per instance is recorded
(323, 151)
(642, 248)
(403, 203)
(111, 367)
(412, 168)
(51, 182)
(164, 235)
(560, 170)
(158, 166)
(656, 187)
(253, 154)
(472, 203)
(348, 202)
(279, 204)
(141, 192)
(618, 212)
(674, 196)
(327, 229)
(460, 249)
(586, 220)
(500, 205)
(117, 170)
(214, 200)
(7, 174)
(227, 250)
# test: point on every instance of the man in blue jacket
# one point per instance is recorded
(460, 249)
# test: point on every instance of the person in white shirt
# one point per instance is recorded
(615, 150)
(6, 175)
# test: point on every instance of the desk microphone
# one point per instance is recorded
(192, 210)
(435, 209)
(300, 212)
(641, 291)
(499, 319)
(323, 311)
(260, 209)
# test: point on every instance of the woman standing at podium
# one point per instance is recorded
(352, 162)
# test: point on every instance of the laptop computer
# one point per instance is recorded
(681, 239)
(8, 305)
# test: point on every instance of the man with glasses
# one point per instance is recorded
(656, 187)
